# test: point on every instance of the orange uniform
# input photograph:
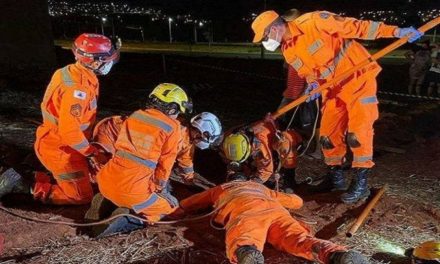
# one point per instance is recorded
(185, 155)
(62, 141)
(146, 149)
(321, 48)
(107, 130)
(252, 213)
(264, 144)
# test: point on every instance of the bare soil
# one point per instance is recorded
(408, 214)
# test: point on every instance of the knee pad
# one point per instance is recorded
(352, 140)
(326, 143)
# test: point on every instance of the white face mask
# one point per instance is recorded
(105, 69)
(202, 144)
(271, 44)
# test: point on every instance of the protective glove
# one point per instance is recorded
(410, 32)
(94, 159)
(166, 194)
(310, 87)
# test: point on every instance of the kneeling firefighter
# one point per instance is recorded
(261, 151)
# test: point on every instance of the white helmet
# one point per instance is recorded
(210, 128)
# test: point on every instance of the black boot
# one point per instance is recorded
(289, 181)
(358, 189)
(347, 257)
(249, 255)
(333, 181)
(12, 182)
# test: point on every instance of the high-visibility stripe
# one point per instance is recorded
(372, 30)
(341, 54)
(93, 104)
(129, 156)
(71, 176)
(49, 117)
(152, 121)
(362, 158)
(369, 100)
(188, 169)
(314, 47)
(66, 76)
(79, 146)
(84, 127)
(151, 200)
(297, 64)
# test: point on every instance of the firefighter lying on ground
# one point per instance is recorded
(252, 214)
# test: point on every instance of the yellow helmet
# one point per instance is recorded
(237, 147)
(427, 253)
(172, 93)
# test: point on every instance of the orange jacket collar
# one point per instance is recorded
(294, 30)
(87, 74)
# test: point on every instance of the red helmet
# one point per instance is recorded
(90, 47)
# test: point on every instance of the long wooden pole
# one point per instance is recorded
(360, 220)
(431, 24)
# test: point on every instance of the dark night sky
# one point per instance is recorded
(217, 8)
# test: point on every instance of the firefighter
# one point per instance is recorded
(320, 46)
(203, 131)
(145, 151)
(62, 142)
(251, 214)
(262, 151)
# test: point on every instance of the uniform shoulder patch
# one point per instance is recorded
(324, 15)
(79, 94)
(75, 110)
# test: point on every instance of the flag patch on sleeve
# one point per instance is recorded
(79, 94)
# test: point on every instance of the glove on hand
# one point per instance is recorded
(310, 87)
(410, 32)
(166, 194)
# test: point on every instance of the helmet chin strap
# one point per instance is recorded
(87, 66)
(104, 68)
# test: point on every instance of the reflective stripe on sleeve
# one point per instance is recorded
(82, 145)
(369, 100)
(49, 117)
(151, 200)
(66, 77)
(71, 176)
(373, 30)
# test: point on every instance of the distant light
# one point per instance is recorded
(170, 19)
(201, 24)
(103, 19)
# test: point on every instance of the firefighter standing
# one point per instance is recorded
(320, 46)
